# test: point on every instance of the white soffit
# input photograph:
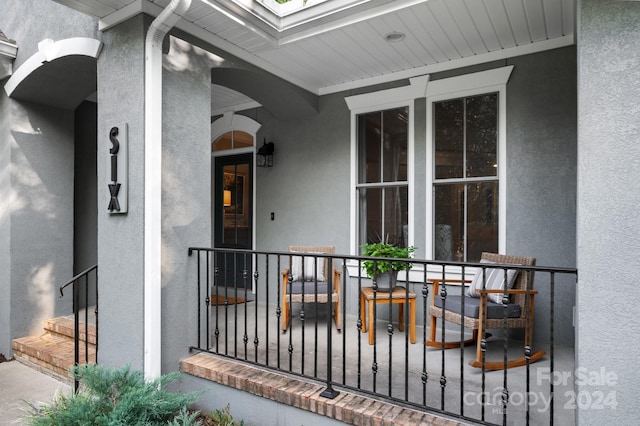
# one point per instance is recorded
(345, 49)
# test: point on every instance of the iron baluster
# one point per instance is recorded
(216, 275)
(443, 377)
(75, 282)
(551, 342)
(425, 296)
(278, 310)
(245, 277)
(256, 340)
(462, 294)
(390, 334)
(505, 314)
(359, 327)
(290, 319)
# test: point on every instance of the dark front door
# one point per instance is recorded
(233, 218)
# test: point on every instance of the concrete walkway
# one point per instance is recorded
(21, 385)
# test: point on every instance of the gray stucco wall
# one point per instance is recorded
(308, 186)
(542, 178)
(609, 195)
(120, 237)
(5, 227)
(41, 225)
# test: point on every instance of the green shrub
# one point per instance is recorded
(220, 418)
(117, 397)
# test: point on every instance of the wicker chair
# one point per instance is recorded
(303, 288)
(520, 312)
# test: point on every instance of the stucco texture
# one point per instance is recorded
(609, 195)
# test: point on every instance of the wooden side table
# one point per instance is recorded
(398, 296)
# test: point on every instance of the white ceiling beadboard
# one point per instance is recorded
(351, 53)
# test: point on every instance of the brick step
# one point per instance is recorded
(65, 326)
(51, 351)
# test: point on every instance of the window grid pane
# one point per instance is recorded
(382, 162)
(481, 135)
(482, 219)
(384, 214)
(224, 142)
(449, 139)
(233, 140)
(466, 204)
(242, 139)
(369, 131)
(394, 145)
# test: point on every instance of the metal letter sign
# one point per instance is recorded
(118, 161)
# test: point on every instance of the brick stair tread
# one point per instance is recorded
(50, 350)
(65, 327)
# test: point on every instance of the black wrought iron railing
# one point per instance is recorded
(250, 308)
(85, 299)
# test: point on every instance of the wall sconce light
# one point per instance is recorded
(227, 198)
(265, 154)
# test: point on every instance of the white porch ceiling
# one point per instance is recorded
(350, 51)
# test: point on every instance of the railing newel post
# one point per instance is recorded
(329, 392)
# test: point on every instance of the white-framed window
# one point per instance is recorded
(382, 146)
(382, 186)
(466, 165)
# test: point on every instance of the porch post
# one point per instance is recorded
(607, 337)
(153, 185)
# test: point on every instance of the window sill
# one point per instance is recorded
(417, 273)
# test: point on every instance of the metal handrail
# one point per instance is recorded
(75, 278)
(76, 315)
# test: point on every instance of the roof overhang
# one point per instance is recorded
(61, 74)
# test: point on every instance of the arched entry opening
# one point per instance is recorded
(54, 127)
(233, 169)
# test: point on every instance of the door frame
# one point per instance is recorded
(228, 122)
(218, 221)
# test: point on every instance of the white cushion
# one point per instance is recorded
(494, 281)
(309, 268)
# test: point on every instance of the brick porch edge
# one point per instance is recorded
(347, 407)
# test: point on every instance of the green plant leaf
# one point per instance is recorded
(385, 250)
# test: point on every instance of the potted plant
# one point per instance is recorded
(382, 272)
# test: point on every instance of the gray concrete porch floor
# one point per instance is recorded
(395, 368)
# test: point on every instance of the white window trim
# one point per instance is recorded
(379, 101)
(491, 81)
(229, 122)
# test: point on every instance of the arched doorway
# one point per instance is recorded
(233, 166)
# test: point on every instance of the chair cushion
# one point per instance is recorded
(494, 281)
(308, 286)
(309, 269)
(472, 307)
